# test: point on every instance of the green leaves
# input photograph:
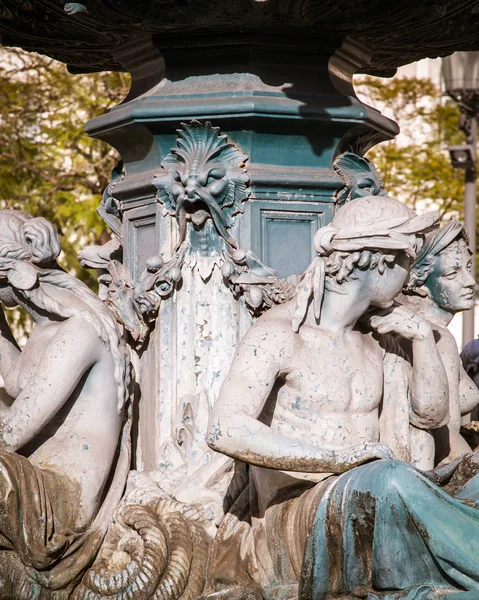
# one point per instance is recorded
(48, 166)
(415, 166)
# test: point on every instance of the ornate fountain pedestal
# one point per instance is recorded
(279, 118)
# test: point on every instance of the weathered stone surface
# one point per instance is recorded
(65, 437)
(227, 174)
(305, 489)
(319, 388)
(440, 286)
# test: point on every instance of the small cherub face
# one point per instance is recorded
(451, 284)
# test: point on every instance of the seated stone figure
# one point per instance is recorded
(60, 436)
(441, 285)
(312, 399)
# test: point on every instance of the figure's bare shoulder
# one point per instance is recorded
(76, 337)
(79, 329)
(272, 334)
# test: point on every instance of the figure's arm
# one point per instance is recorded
(428, 385)
(429, 389)
(66, 358)
(9, 350)
(234, 428)
(468, 392)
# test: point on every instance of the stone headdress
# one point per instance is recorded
(435, 243)
(375, 223)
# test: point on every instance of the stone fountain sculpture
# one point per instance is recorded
(336, 398)
(65, 437)
(311, 439)
(65, 446)
(317, 393)
(240, 137)
(440, 286)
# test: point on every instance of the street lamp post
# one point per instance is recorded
(461, 77)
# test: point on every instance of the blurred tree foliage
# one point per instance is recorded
(48, 165)
(415, 166)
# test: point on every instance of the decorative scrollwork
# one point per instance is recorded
(360, 178)
(136, 305)
(156, 551)
(203, 177)
(257, 283)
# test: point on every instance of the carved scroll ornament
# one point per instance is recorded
(257, 283)
(359, 176)
(153, 551)
(137, 304)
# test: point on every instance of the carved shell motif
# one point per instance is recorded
(360, 178)
(152, 552)
(203, 177)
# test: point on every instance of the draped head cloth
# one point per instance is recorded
(375, 223)
(435, 243)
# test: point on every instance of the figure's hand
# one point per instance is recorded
(362, 453)
(402, 321)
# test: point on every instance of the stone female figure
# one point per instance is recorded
(441, 285)
(59, 438)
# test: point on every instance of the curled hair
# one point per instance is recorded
(366, 233)
(24, 239)
(340, 265)
(419, 274)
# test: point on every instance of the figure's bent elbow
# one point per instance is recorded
(432, 419)
(216, 437)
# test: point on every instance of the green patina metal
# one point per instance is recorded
(286, 117)
(275, 77)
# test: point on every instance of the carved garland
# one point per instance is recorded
(205, 177)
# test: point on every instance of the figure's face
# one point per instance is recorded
(451, 284)
(386, 286)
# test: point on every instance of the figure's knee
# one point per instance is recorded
(387, 477)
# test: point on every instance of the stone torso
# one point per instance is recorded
(330, 390)
(82, 437)
(328, 394)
